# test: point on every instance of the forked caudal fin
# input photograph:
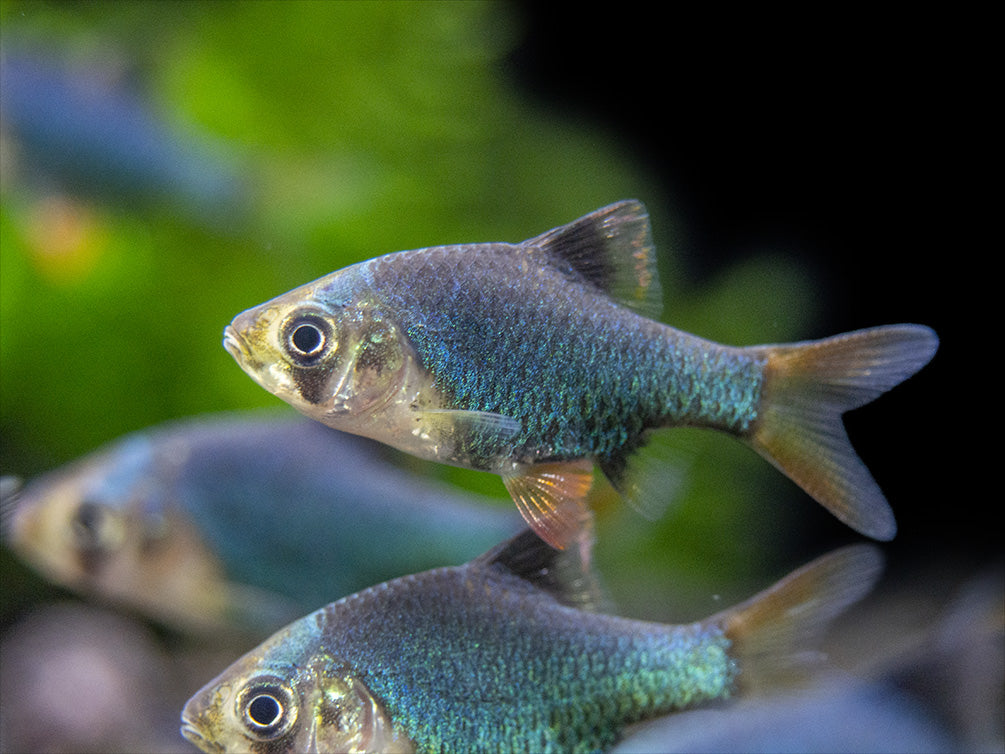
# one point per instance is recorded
(807, 386)
(776, 635)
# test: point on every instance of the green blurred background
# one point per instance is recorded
(795, 184)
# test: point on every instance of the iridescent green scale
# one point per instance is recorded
(583, 375)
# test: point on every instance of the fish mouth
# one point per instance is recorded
(252, 365)
(235, 344)
(193, 734)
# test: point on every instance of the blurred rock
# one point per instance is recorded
(76, 678)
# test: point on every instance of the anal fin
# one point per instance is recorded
(460, 436)
(652, 477)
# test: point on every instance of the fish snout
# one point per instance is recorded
(234, 344)
(246, 335)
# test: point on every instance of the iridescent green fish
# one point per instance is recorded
(534, 361)
(504, 654)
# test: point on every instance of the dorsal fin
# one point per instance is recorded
(612, 250)
(564, 574)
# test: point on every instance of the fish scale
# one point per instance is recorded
(619, 670)
(560, 355)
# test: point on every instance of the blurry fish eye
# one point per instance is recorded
(267, 709)
(95, 527)
(306, 338)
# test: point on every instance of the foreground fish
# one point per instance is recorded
(530, 360)
(503, 654)
(240, 521)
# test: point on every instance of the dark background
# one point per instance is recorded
(859, 141)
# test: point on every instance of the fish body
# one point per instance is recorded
(504, 654)
(536, 361)
(241, 520)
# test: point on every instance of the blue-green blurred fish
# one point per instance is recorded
(241, 521)
(533, 361)
(78, 129)
(504, 654)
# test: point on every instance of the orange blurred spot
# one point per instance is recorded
(65, 238)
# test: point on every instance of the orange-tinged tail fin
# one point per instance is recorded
(807, 387)
(778, 633)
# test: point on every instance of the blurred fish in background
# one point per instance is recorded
(75, 677)
(82, 132)
(241, 521)
(83, 139)
(814, 719)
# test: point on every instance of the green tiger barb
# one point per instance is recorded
(536, 361)
(506, 654)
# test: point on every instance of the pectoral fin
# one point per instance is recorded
(475, 421)
(552, 499)
(463, 436)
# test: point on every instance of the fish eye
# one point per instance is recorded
(267, 709)
(95, 527)
(306, 338)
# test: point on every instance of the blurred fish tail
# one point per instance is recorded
(807, 387)
(776, 635)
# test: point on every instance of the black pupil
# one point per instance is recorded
(264, 710)
(307, 338)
